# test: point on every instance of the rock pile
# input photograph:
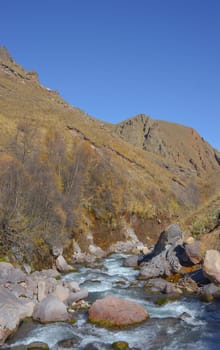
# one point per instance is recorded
(41, 295)
(175, 266)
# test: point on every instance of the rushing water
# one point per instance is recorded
(165, 330)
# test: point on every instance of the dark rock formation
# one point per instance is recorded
(163, 260)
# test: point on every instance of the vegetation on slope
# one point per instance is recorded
(64, 175)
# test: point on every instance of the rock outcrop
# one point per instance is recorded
(114, 311)
(164, 259)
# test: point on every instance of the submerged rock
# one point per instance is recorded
(68, 343)
(120, 345)
(210, 292)
(114, 311)
(38, 345)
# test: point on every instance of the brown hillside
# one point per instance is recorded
(65, 175)
(173, 142)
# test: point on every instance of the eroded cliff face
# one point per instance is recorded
(65, 175)
(176, 143)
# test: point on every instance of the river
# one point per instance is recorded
(164, 330)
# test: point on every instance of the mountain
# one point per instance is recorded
(173, 142)
(67, 176)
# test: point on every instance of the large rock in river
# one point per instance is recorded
(51, 309)
(211, 265)
(164, 258)
(12, 312)
(114, 311)
(193, 252)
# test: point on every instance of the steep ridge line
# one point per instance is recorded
(84, 137)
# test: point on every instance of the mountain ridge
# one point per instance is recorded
(65, 175)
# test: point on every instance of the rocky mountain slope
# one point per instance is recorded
(67, 176)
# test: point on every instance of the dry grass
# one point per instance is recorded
(119, 181)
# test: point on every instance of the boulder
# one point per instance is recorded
(51, 309)
(12, 312)
(156, 284)
(193, 252)
(163, 264)
(82, 294)
(122, 247)
(82, 258)
(120, 345)
(209, 292)
(72, 285)
(5, 268)
(38, 345)
(164, 259)
(163, 286)
(169, 239)
(27, 268)
(211, 265)
(114, 311)
(97, 251)
(8, 273)
(68, 343)
(172, 236)
(45, 274)
(42, 287)
(172, 289)
(62, 293)
(188, 285)
(131, 261)
(141, 249)
(62, 265)
(57, 250)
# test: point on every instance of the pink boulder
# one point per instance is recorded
(114, 311)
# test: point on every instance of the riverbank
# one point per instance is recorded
(171, 298)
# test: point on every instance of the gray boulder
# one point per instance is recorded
(51, 309)
(131, 261)
(172, 237)
(10, 274)
(97, 251)
(163, 260)
(163, 286)
(193, 252)
(82, 294)
(62, 293)
(62, 265)
(163, 264)
(72, 285)
(211, 265)
(210, 291)
(57, 250)
(12, 312)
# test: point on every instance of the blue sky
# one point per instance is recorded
(117, 58)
